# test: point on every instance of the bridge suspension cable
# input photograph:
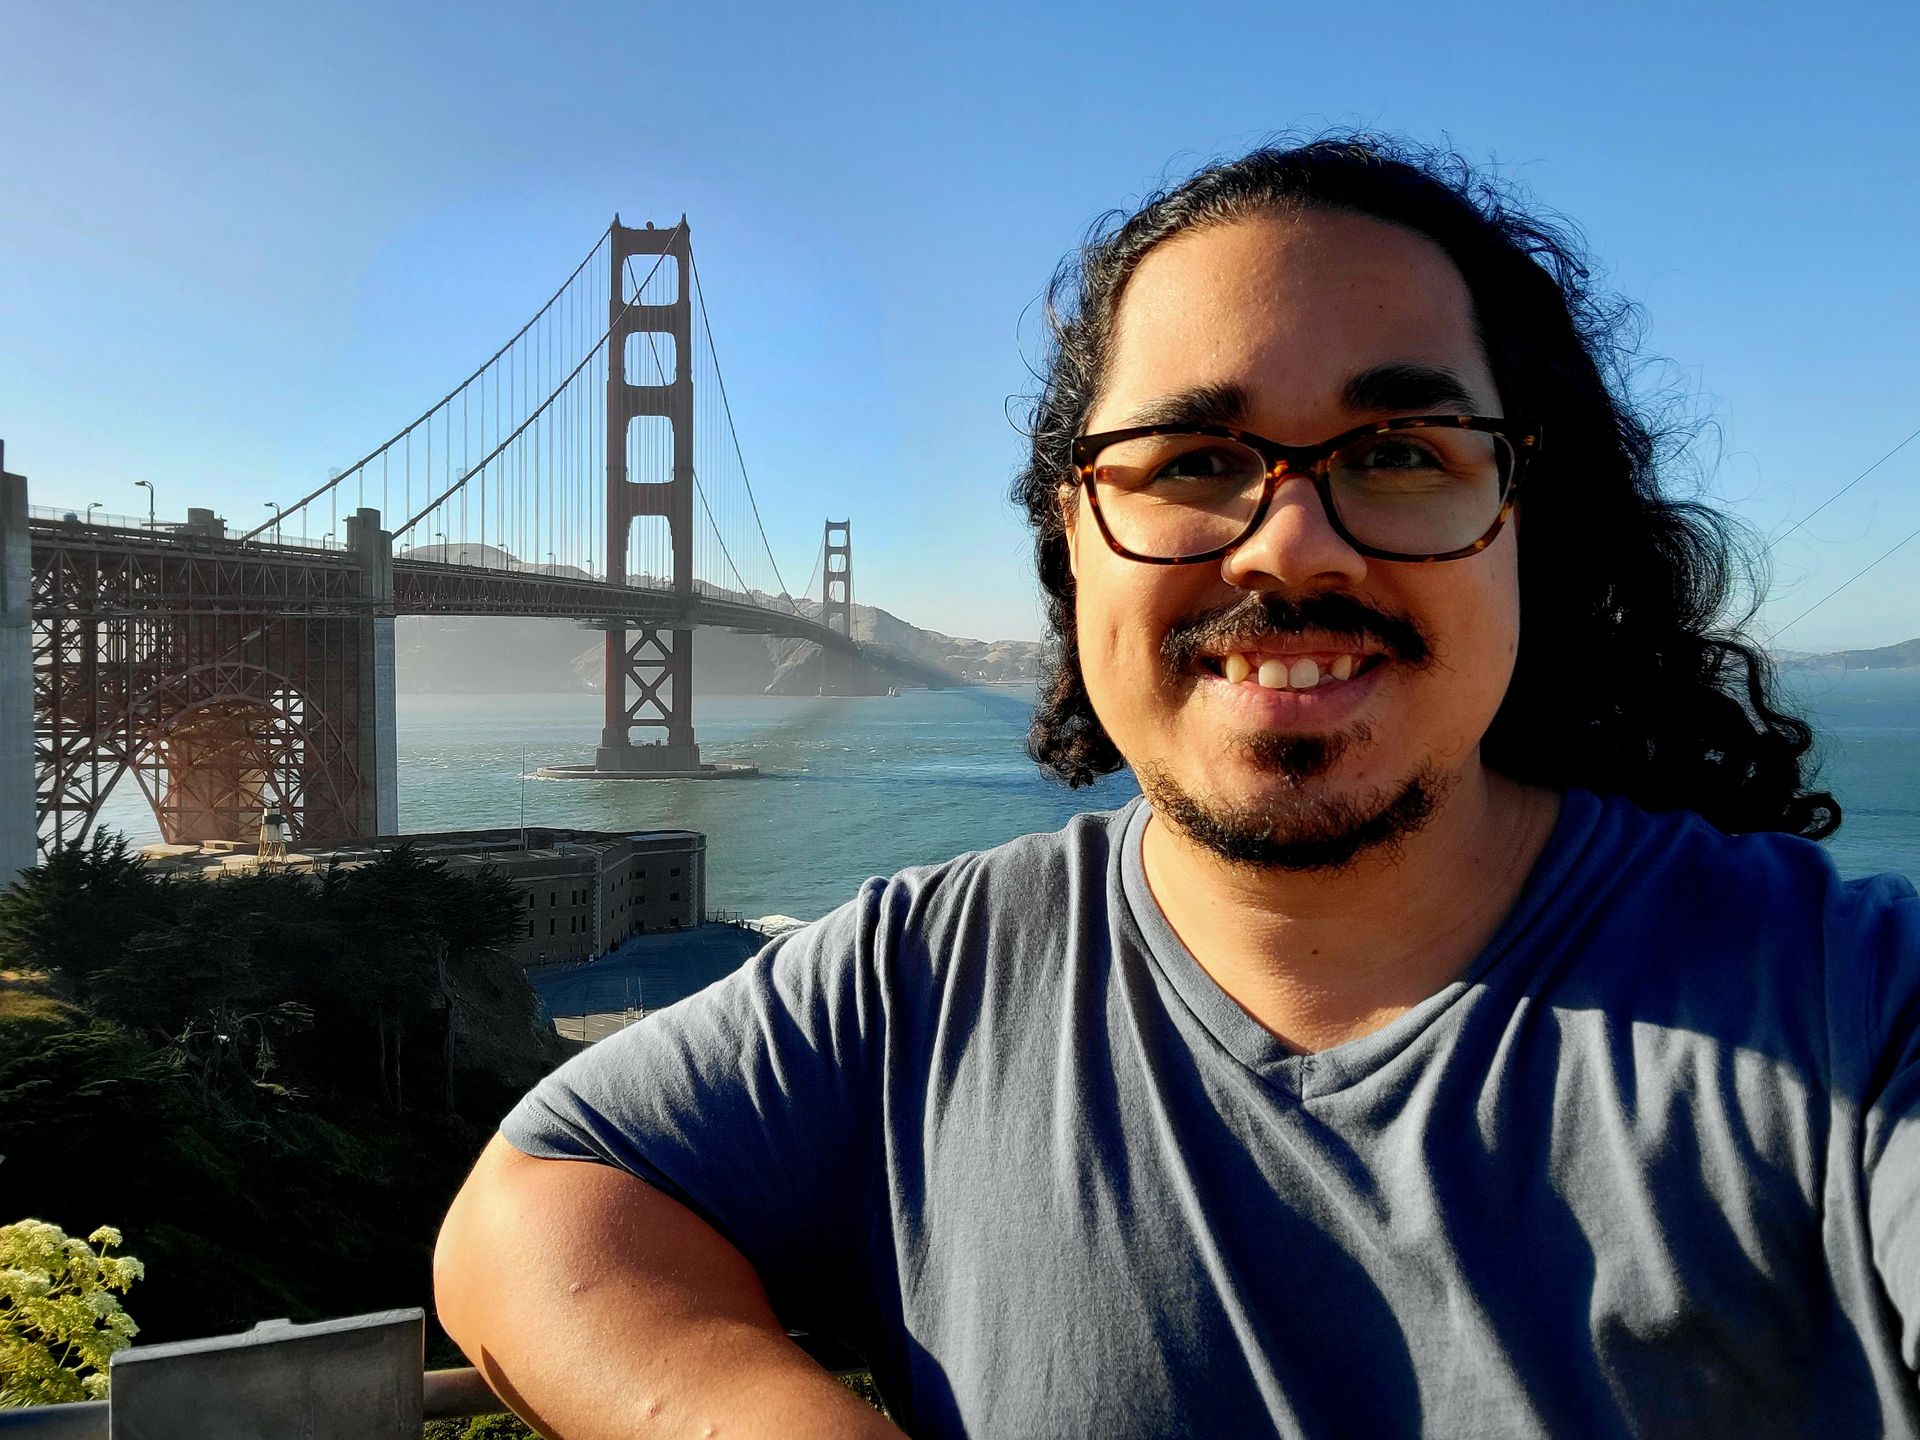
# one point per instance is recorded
(509, 469)
(338, 478)
(726, 407)
(522, 427)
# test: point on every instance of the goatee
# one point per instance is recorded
(1298, 830)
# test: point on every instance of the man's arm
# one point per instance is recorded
(598, 1306)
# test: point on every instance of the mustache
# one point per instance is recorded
(1257, 617)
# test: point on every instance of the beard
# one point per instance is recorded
(1297, 826)
(1300, 828)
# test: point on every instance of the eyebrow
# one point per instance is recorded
(1406, 386)
(1222, 403)
(1399, 385)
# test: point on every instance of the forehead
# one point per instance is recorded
(1288, 309)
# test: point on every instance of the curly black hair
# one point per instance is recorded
(1635, 674)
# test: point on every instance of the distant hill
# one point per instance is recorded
(453, 654)
(1903, 656)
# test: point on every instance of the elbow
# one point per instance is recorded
(463, 1280)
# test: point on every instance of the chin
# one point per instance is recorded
(1303, 824)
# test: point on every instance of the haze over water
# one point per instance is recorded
(864, 786)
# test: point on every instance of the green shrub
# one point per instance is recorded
(60, 1322)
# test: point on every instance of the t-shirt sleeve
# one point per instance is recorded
(753, 1102)
(1891, 1128)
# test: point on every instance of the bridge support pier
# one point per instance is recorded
(656, 670)
(378, 728)
(17, 825)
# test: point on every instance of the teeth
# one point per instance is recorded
(1275, 674)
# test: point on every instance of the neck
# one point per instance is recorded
(1324, 957)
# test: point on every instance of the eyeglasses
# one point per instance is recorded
(1425, 487)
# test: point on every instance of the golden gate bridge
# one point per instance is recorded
(588, 469)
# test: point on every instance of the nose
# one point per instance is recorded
(1295, 546)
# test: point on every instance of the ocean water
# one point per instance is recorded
(864, 786)
(1868, 751)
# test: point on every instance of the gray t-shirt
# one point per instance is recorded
(1651, 1166)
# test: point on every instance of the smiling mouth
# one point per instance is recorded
(1318, 671)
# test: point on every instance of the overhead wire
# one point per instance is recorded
(1843, 489)
(1781, 630)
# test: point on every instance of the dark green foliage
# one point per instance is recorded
(79, 910)
(272, 1083)
(486, 1427)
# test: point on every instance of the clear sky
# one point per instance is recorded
(241, 244)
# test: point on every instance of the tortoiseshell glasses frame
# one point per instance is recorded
(1517, 441)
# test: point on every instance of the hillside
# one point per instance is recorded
(1903, 656)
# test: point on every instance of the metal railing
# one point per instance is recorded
(334, 1380)
(327, 1381)
(444, 1395)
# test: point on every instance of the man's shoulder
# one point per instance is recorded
(1761, 919)
(1008, 904)
(1683, 852)
(1018, 878)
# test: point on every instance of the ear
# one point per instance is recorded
(1069, 496)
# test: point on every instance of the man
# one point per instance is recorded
(1460, 1038)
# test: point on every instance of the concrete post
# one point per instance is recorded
(353, 1379)
(17, 836)
(378, 723)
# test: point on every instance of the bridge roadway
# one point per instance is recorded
(310, 580)
(181, 656)
(425, 587)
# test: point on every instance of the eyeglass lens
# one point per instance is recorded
(1416, 491)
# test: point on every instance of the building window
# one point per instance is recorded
(550, 925)
(675, 872)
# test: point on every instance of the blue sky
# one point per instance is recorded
(241, 244)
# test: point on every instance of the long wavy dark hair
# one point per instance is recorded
(1635, 674)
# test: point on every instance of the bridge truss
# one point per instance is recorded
(571, 474)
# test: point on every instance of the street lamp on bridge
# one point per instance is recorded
(147, 485)
(441, 536)
(274, 505)
(93, 506)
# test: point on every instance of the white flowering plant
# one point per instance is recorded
(60, 1320)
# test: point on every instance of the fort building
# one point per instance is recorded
(583, 891)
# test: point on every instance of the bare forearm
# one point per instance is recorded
(597, 1308)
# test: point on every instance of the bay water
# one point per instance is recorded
(852, 787)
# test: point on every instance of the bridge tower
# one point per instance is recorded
(836, 606)
(17, 824)
(649, 668)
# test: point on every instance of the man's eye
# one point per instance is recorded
(1206, 464)
(1390, 453)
